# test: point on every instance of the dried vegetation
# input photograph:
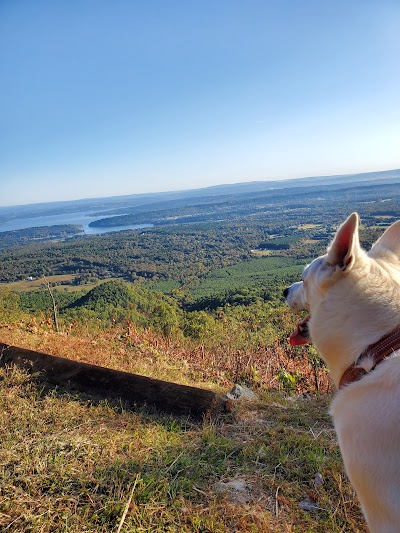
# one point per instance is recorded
(69, 464)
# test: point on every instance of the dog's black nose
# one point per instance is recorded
(285, 293)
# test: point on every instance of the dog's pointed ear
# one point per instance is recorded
(388, 242)
(345, 245)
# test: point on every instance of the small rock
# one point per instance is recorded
(308, 505)
(240, 392)
(237, 490)
(318, 480)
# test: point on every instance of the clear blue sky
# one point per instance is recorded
(102, 98)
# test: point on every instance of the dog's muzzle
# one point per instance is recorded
(293, 298)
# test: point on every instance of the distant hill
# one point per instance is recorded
(117, 204)
(113, 293)
(253, 186)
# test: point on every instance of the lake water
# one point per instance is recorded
(83, 218)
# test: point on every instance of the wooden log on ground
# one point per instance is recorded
(113, 384)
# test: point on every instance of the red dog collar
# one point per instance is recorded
(378, 351)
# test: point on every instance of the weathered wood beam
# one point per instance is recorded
(113, 384)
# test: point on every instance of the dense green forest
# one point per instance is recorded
(295, 222)
(253, 323)
(25, 236)
(207, 265)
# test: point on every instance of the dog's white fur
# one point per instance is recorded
(353, 298)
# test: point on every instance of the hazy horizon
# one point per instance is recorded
(368, 175)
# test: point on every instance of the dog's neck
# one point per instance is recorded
(353, 315)
(371, 357)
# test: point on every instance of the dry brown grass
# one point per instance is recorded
(69, 465)
(125, 347)
(39, 283)
(35, 284)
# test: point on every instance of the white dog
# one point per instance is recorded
(353, 298)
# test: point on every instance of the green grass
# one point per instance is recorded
(70, 465)
(268, 274)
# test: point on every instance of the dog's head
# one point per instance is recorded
(348, 293)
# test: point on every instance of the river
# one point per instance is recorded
(82, 218)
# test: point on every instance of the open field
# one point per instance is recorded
(308, 226)
(262, 253)
(38, 284)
